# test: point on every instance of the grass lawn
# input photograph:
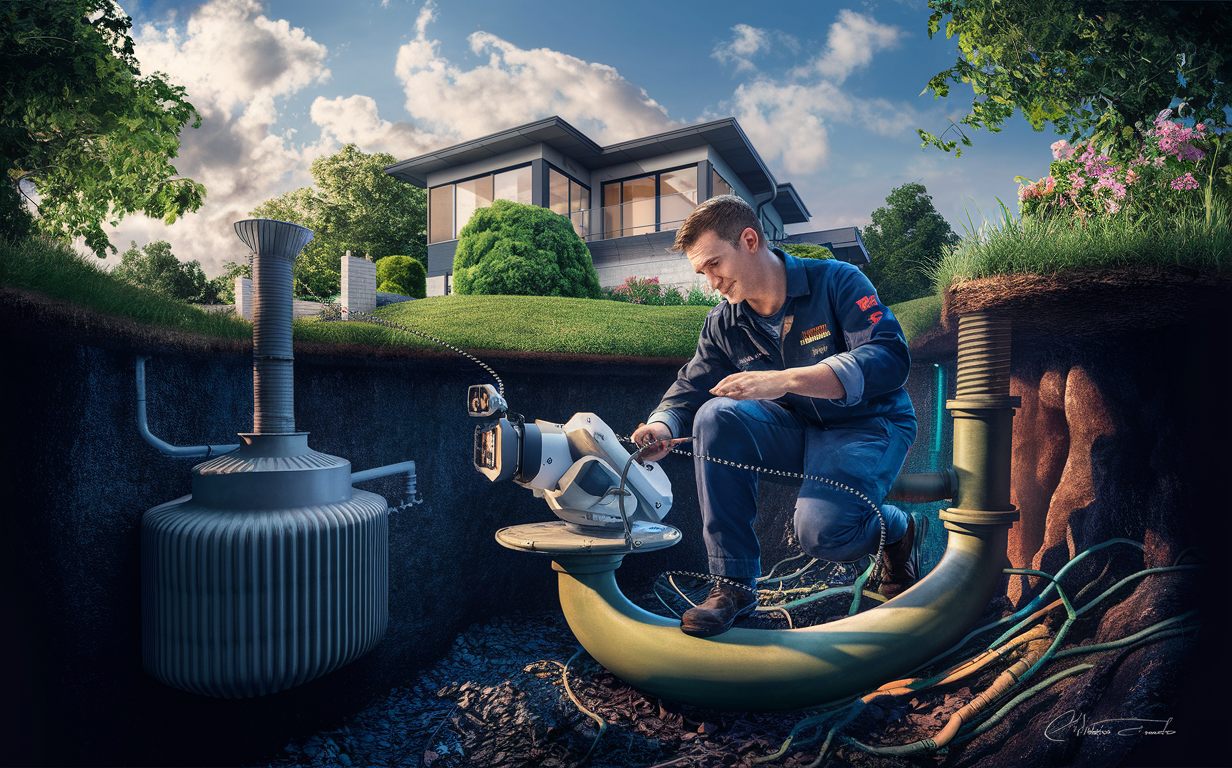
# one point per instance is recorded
(529, 323)
(523, 323)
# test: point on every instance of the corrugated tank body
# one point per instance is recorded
(274, 571)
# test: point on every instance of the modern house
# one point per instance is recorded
(626, 201)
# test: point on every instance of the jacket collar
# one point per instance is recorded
(797, 280)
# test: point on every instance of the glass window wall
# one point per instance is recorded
(513, 185)
(558, 192)
(629, 206)
(451, 206)
(718, 185)
(440, 214)
(677, 196)
(471, 196)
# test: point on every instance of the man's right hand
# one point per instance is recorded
(646, 434)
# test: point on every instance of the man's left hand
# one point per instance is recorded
(752, 385)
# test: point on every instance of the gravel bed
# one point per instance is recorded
(497, 699)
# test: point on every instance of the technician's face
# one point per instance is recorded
(725, 266)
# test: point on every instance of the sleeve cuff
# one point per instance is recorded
(668, 418)
(848, 371)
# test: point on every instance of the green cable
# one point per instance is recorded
(1143, 635)
(857, 589)
(1132, 576)
(602, 723)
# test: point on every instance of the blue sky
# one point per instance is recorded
(829, 93)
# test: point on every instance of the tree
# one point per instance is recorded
(155, 267)
(403, 275)
(905, 242)
(522, 250)
(1094, 68)
(808, 251)
(224, 284)
(355, 206)
(81, 127)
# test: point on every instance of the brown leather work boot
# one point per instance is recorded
(726, 603)
(898, 563)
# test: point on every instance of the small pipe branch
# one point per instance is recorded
(161, 445)
(385, 471)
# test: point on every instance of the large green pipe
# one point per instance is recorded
(783, 669)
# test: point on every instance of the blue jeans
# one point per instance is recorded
(831, 523)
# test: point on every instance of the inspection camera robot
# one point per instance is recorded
(607, 501)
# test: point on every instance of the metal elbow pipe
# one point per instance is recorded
(385, 471)
(161, 445)
(785, 669)
(924, 487)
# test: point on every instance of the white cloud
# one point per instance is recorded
(747, 43)
(355, 120)
(235, 64)
(853, 40)
(789, 118)
(516, 86)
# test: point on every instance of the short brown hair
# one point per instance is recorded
(725, 215)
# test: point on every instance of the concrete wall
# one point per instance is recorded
(358, 284)
(243, 297)
(643, 256)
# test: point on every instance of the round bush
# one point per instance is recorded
(402, 275)
(522, 250)
(808, 251)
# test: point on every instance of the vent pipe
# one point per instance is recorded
(274, 246)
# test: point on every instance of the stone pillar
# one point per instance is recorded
(358, 285)
(243, 297)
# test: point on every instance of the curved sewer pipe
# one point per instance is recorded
(757, 669)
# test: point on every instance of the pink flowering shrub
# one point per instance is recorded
(1169, 174)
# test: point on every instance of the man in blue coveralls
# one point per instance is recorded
(801, 369)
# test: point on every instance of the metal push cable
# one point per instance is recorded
(335, 315)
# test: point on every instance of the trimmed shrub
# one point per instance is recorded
(699, 298)
(403, 275)
(808, 251)
(513, 249)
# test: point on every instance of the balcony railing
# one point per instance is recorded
(635, 218)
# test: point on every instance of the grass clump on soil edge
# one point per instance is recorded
(55, 269)
(1044, 247)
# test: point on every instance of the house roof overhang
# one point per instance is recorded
(724, 135)
(790, 207)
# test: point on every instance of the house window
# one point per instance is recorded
(450, 206)
(659, 201)
(440, 215)
(718, 185)
(471, 196)
(677, 196)
(569, 198)
(514, 185)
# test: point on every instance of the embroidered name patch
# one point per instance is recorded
(814, 334)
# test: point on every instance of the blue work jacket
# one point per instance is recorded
(833, 317)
